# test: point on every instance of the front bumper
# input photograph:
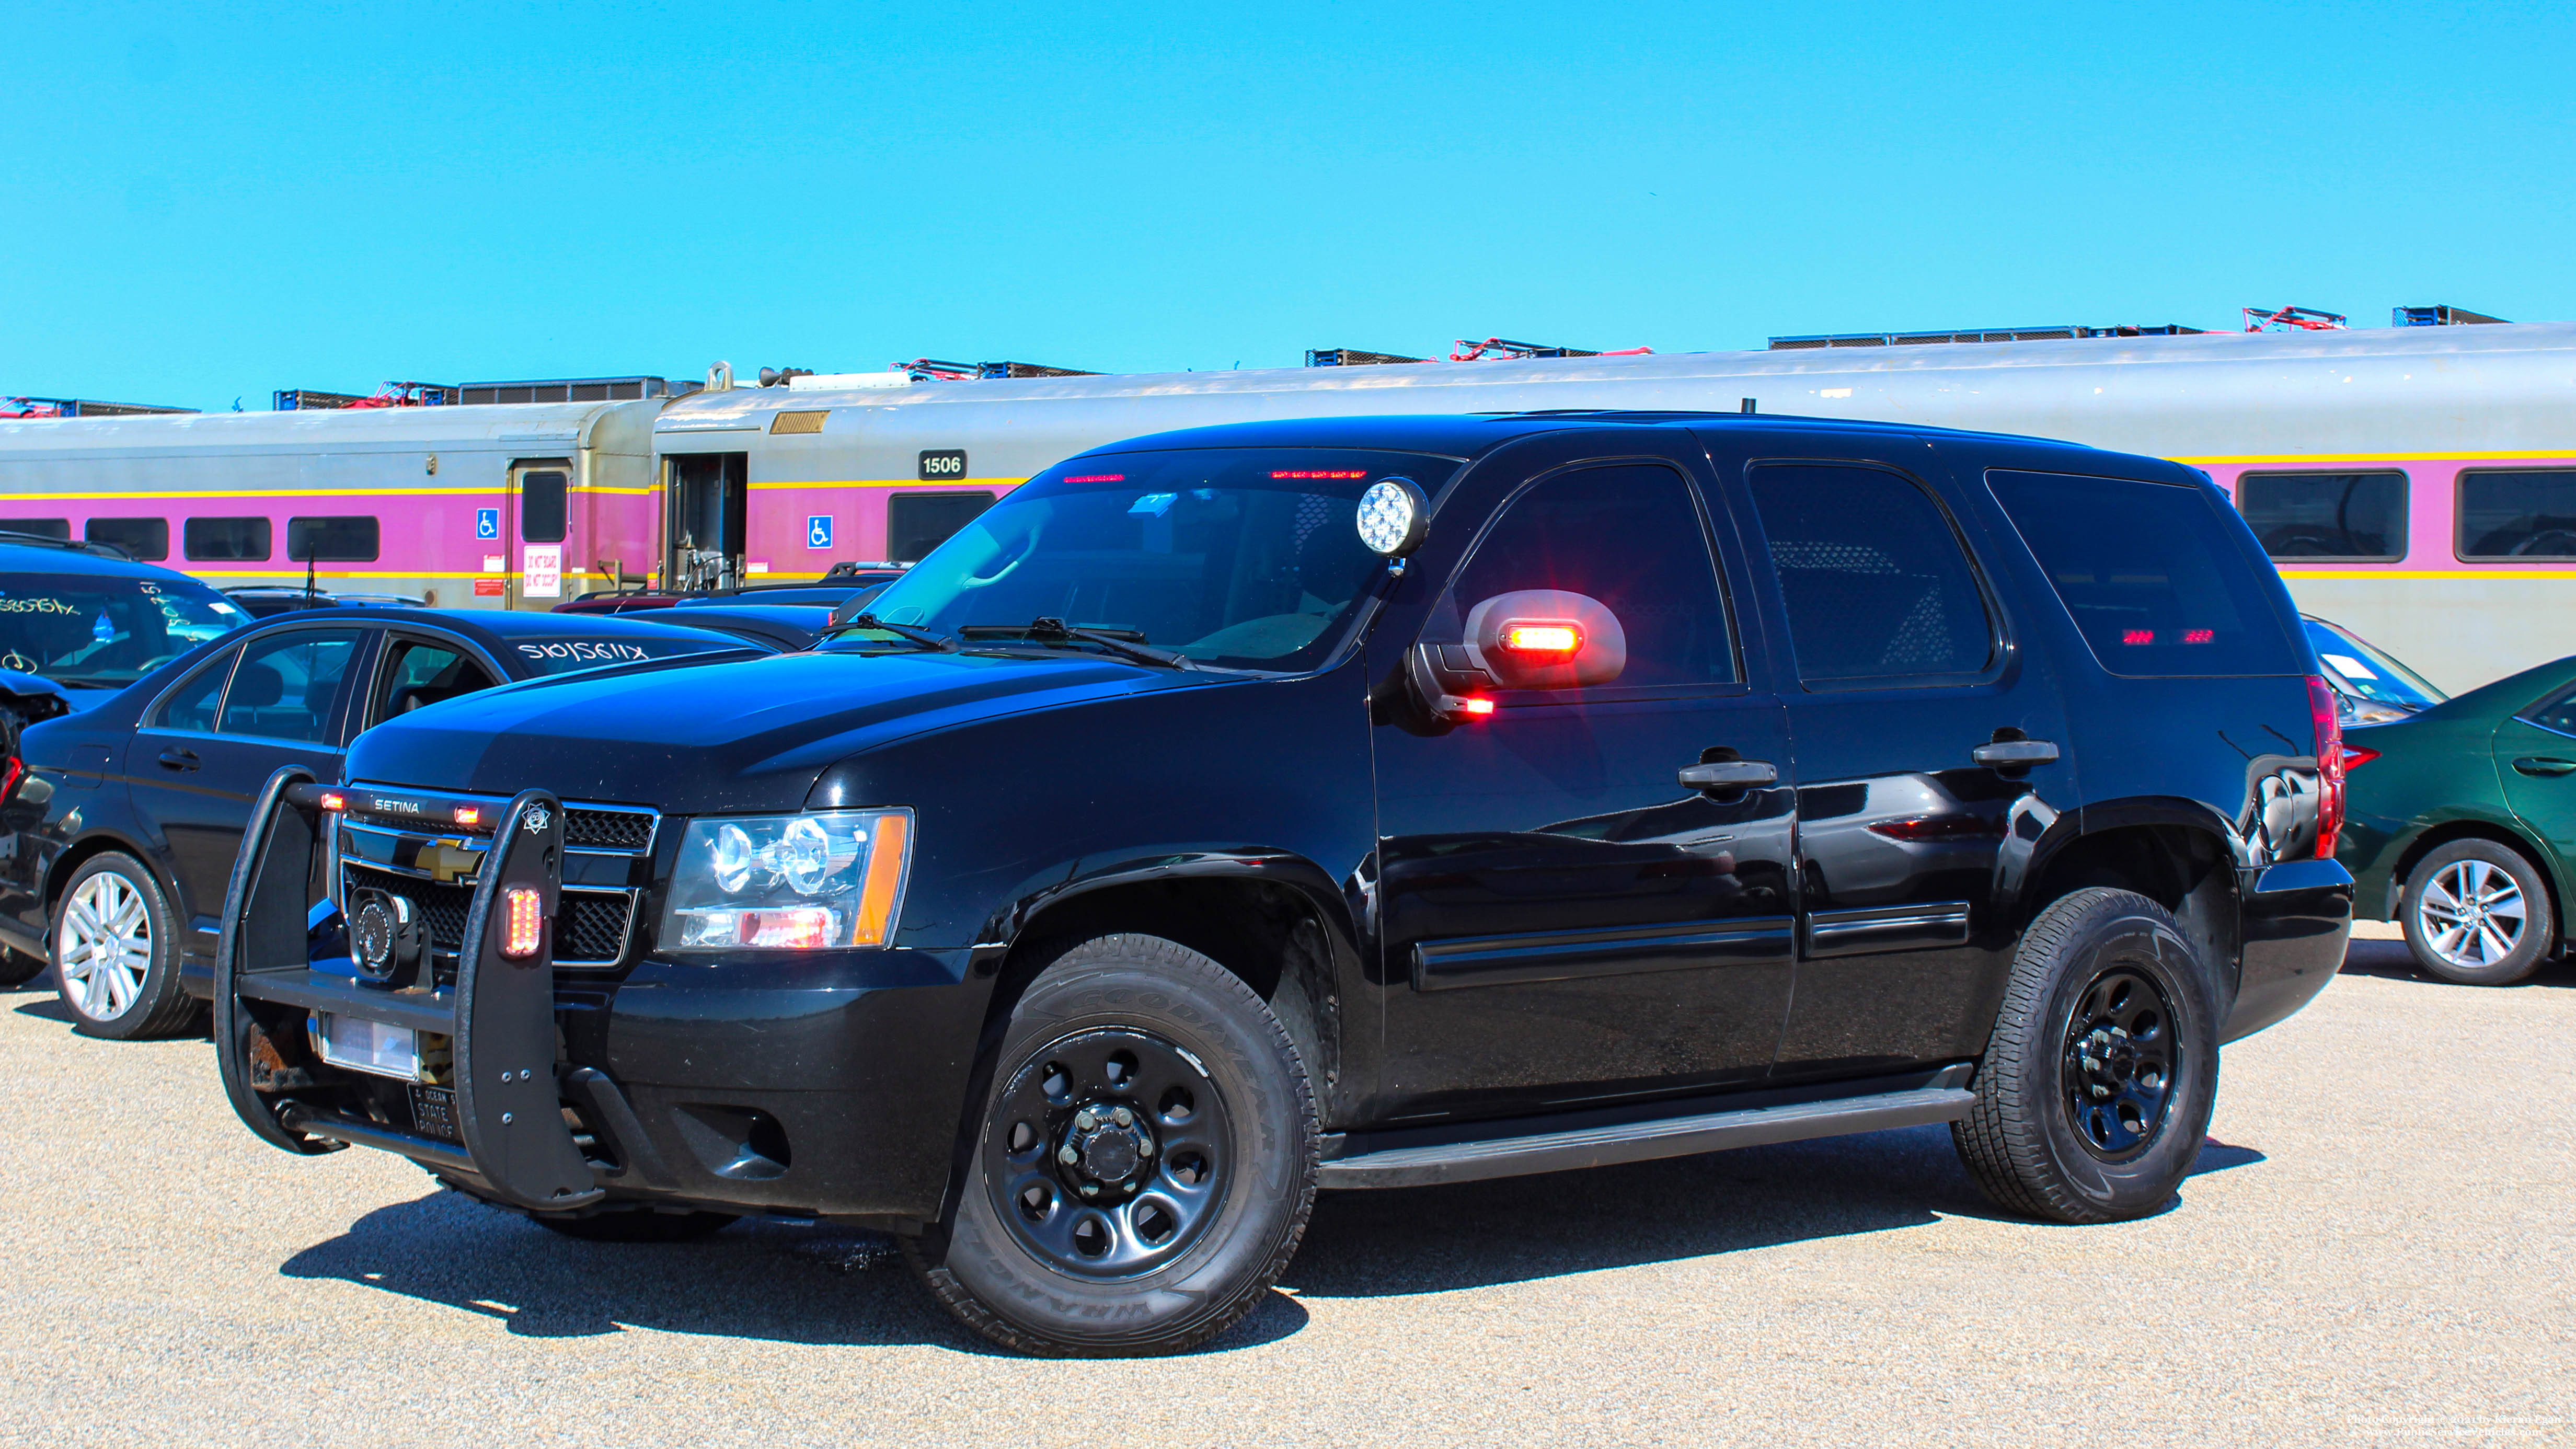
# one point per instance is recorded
(806, 1084)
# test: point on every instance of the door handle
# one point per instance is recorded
(2015, 754)
(179, 759)
(1730, 775)
(2542, 765)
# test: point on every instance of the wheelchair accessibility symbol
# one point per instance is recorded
(818, 531)
(487, 523)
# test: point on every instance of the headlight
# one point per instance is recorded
(794, 882)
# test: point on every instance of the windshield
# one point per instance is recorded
(96, 631)
(2365, 672)
(1245, 558)
(563, 656)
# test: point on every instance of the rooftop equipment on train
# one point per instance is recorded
(2305, 319)
(528, 390)
(74, 407)
(1975, 334)
(1353, 357)
(1502, 349)
(2436, 317)
(931, 369)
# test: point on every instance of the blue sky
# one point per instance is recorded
(218, 201)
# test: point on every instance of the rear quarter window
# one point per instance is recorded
(2156, 578)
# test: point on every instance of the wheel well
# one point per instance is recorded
(81, 853)
(2184, 870)
(1269, 935)
(2441, 835)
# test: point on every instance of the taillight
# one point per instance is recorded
(15, 771)
(2356, 756)
(2330, 765)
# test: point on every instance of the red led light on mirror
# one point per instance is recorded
(1476, 707)
(1542, 638)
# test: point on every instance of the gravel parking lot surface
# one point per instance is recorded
(2376, 1250)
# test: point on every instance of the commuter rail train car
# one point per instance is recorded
(2417, 484)
(447, 503)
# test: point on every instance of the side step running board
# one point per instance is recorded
(1640, 1141)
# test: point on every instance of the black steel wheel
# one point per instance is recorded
(1142, 1163)
(2098, 1080)
(2118, 1072)
(1107, 1152)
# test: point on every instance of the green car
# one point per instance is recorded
(2462, 823)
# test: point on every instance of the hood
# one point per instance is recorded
(37, 698)
(743, 735)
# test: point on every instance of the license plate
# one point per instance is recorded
(367, 1046)
(433, 1113)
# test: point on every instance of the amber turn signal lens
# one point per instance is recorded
(1542, 638)
(522, 924)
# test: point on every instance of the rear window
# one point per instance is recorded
(2155, 574)
(563, 656)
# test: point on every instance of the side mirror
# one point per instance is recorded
(1528, 639)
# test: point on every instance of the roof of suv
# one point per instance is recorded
(1473, 433)
(23, 556)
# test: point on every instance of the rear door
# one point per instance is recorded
(2535, 757)
(1901, 666)
(206, 749)
(1563, 918)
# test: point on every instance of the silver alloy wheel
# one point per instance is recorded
(2471, 914)
(104, 946)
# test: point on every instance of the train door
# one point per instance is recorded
(535, 521)
(707, 496)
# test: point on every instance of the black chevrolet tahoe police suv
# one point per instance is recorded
(1230, 814)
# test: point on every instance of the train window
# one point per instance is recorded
(225, 538)
(916, 523)
(2520, 513)
(541, 504)
(145, 538)
(2155, 575)
(2326, 515)
(349, 538)
(40, 527)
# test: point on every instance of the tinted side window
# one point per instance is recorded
(347, 539)
(2154, 573)
(422, 673)
(2558, 713)
(541, 505)
(286, 684)
(2518, 514)
(145, 538)
(2326, 515)
(226, 538)
(192, 707)
(916, 523)
(1876, 583)
(1628, 537)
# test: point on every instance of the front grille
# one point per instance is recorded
(590, 926)
(607, 829)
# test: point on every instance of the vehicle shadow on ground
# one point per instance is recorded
(826, 1285)
(2391, 961)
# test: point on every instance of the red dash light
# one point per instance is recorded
(1321, 473)
(1097, 478)
(2137, 636)
(522, 925)
(1542, 638)
(334, 800)
(468, 815)
(1476, 708)
(2199, 636)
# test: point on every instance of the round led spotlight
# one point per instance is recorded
(1393, 516)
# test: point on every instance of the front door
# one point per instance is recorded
(201, 757)
(1900, 671)
(1563, 919)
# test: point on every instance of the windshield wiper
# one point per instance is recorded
(1125, 643)
(923, 637)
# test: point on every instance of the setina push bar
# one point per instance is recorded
(497, 1124)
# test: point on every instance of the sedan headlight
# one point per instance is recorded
(793, 882)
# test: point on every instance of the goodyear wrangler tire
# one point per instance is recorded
(2097, 1084)
(1142, 1163)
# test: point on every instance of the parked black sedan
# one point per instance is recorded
(129, 814)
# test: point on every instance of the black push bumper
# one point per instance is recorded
(494, 1119)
